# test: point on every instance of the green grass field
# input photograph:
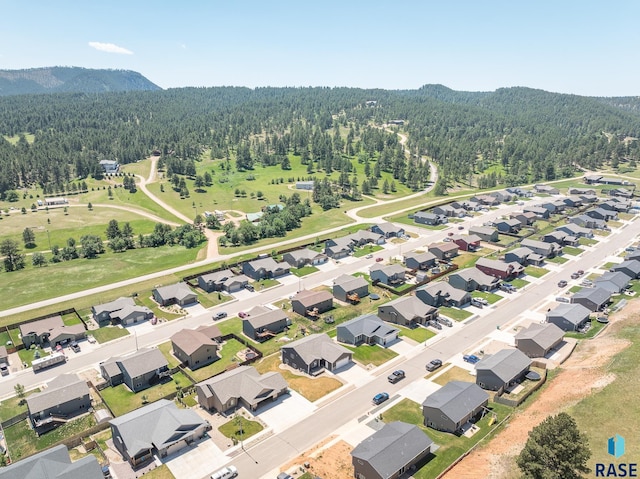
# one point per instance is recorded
(367, 354)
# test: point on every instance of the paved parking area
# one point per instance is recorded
(197, 460)
(417, 391)
(402, 347)
(285, 411)
(243, 294)
(353, 374)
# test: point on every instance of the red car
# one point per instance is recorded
(242, 314)
(378, 260)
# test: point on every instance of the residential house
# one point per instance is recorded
(511, 226)
(312, 303)
(157, 429)
(592, 179)
(388, 230)
(486, 200)
(588, 222)
(538, 340)
(548, 250)
(594, 299)
(338, 247)
(254, 217)
(427, 218)
(364, 237)
(472, 279)
(525, 218)
(589, 198)
(466, 242)
(573, 201)
(524, 256)
(264, 323)
(549, 190)
(576, 231)
(242, 386)
(421, 261)
(391, 274)
(54, 463)
(50, 331)
(602, 214)
(517, 191)
(123, 310)
(450, 211)
(350, 288)
(614, 282)
(569, 317)
(581, 191)
(539, 211)
(111, 167)
(502, 369)
(304, 257)
(633, 255)
(631, 268)
(138, 371)
(407, 311)
(315, 353)
(224, 280)
(441, 293)
(65, 396)
(621, 192)
(263, 268)
(444, 251)
(390, 452)
(178, 293)
(503, 196)
(500, 269)
(452, 406)
(195, 348)
(305, 185)
(366, 329)
(485, 233)
(560, 237)
(617, 205)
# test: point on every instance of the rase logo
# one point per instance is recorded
(615, 448)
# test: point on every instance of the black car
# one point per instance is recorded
(562, 283)
(396, 376)
(433, 365)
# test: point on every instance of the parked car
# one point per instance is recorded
(434, 324)
(562, 283)
(433, 364)
(225, 473)
(4, 369)
(479, 302)
(91, 339)
(75, 347)
(630, 248)
(575, 275)
(446, 239)
(396, 376)
(249, 287)
(460, 227)
(380, 398)
(242, 314)
(586, 282)
(471, 358)
(445, 321)
(562, 299)
(379, 259)
(220, 315)
(284, 475)
(369, 256)
(509, 288)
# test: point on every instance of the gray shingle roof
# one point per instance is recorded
(393, 447)
(243, 382)
(350, 283)
(596, 295)
(318, 346)
(114, 305)
(478, 276)
(545, 335)
(53, 463)
(137, 364)
(425, 257)
(505, 364)
(178, 291)
(457, 399)
(388, 269)
(309, 298)
(265, 319)
(369, 325)
(619, 279)
(65, 387)
(410, 307)
(574, 313)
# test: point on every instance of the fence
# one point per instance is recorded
(500, 399)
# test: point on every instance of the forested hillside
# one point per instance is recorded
(525, 135)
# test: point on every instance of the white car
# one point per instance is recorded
(225, 473)
(91, 339)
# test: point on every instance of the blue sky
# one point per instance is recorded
(581, 47)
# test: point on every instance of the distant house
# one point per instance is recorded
(569, 317)
(502, 369)
(50, 330)
(338, 248)
(630, 268)
(486, 200)
(466, 242)
(391, 451)
(621, 192)
(633, 255)
(575, 230)
(364, 237)
(263, 268)
(508, 226)
(224, 280)
(54, 463)
(158, 429)
(264, 323)
(304, 257)
(346, 286)
(391, 275)
(66, 396)
(110, 166)
(441, 293)
(305, 185)
(581, 191)
(550, 190)
(594, 299)
(178, 293)
(485, 233)
(444, 251)
(613, 282)
(472, 279)
(499, 269)
(602, 214)
(407, 311)
(614, 205)
(242, 386)
(315, 353)
(123, 310)
(56, 201)
(430, 219)
(537, 340)
(195, 348)
(588, 222)
(560, 237)
(524, 256)
(137, 371)
(539, 211)
(450, 211)
(421, 261)
(312, 303)
(388, 230)
(453, 405)
(366, 329)
(525, 218)
(573, 201)
(503, 196)
(548, 250)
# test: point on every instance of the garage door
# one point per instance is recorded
(176, 447)
(342, 362)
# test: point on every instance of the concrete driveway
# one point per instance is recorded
(285, 411)
(198, 460)
(418, 391)
(353, 374)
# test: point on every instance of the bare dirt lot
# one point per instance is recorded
(327, 460)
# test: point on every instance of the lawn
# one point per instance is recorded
(454, 373)
(373, 354)
(491, 298)
(557, 259)
(15, 405)
(535, 271)
(227, 354)
(419, 334)
(466, 260)
(587, 241)
(109, 333)
(311, 388)
(166, 348)
(572, 251)
(304, 271)
(161, 472)
(240, 428)
(365, 250)
(450, 446)
(28, 355)
(454, 313)
(264, 284)
(121, 400)
(518, 282)
(595, 328)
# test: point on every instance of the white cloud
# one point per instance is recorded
(110, 48)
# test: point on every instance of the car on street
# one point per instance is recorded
(225, 473)
(242, 314)
(220, 315)
(562, 283)
(446, 239)
(284, 475)
(471, 358)
(433, 364)
(575, 275)
(369, 256)
(460, 227)
(380, 398)
(378, 259)
(396, 376)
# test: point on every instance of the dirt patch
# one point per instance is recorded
(328, 459)
(579, 376)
